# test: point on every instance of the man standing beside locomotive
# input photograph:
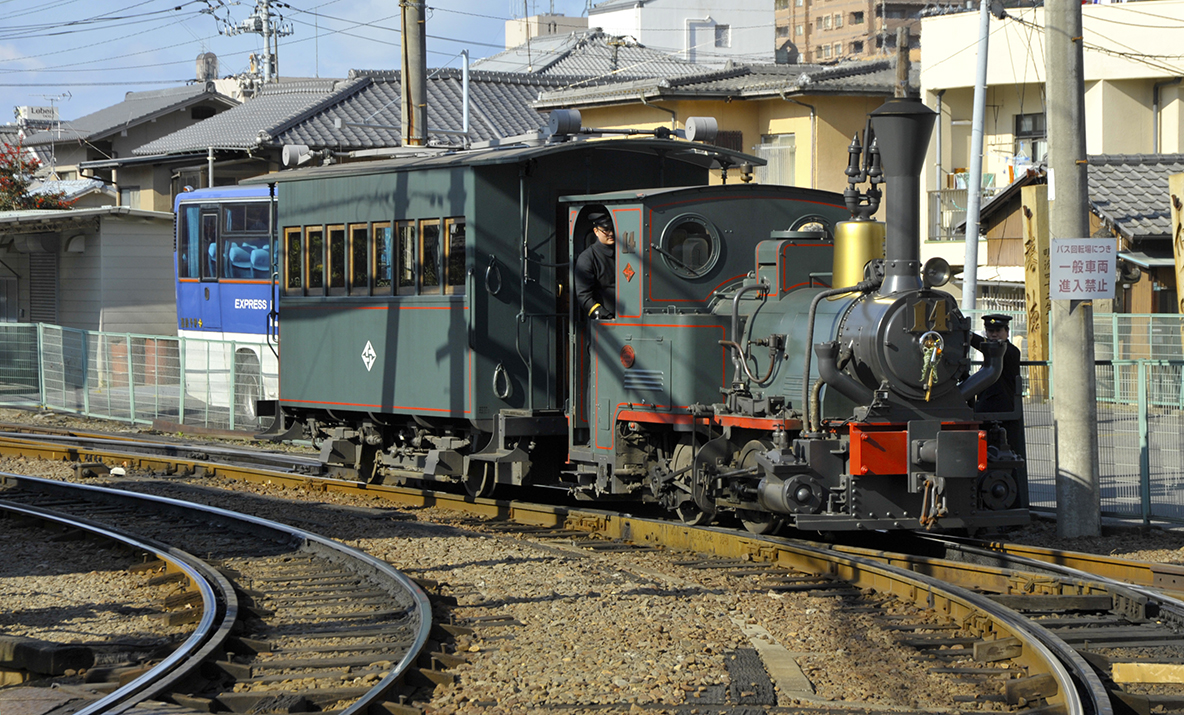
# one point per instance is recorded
(1005, 395)
(596, 271)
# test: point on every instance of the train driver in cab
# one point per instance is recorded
(596, 270)
(1005, 395)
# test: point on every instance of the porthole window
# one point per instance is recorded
(813, 224)
(690, 246)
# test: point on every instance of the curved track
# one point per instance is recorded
(992, 600)
(372, 617)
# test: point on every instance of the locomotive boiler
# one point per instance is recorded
(774, 358)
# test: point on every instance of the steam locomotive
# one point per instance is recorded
(774, 357)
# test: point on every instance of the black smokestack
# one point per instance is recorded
(903, 127)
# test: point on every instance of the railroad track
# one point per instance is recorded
(284, 616)
(1039, 630)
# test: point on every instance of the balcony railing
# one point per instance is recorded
(947, 210)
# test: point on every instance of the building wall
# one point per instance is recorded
(137, 285)
(80, 286)
(688, 26)
(821, 154)
(518, 31)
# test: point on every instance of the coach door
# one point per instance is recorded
(210, 299)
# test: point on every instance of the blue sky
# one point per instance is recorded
(97, 50)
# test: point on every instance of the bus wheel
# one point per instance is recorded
(247, 383)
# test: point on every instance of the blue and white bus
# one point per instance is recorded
(226, 292)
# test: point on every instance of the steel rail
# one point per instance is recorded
(1167, 578)
(311, 540)
(212, 585)
(926, 582)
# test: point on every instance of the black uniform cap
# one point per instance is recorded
(598, 218)
(996, 320)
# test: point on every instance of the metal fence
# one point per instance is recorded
(132, 378)
(140, 379)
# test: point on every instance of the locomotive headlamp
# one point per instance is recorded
(627, 357)
(936, 272)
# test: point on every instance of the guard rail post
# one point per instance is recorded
(131, 378)
(1144, 446)
(40, 364)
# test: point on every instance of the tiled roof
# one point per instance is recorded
(500, 106)
(589, 55)
(1130, 192)
(72, 188)
(742, 81)
(276, 108)
(136, 108)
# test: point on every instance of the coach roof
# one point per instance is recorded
(702, 155)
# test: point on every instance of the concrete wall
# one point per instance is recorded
(688, 27)
(137, 290)
(821, 153)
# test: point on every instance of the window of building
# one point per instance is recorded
(838, 20)
(857, 18)
(781, 5)
(780, 151)
(723, 35)
(826, 23)
(798, 3)
(129, 196)
(838, 49)
(799, 30)
(783, 30)
(857, 47)
(1031, 136)
(826, 52)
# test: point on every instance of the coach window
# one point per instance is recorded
(455, 228)
(315, 248)
(336, 267)
(359, 259)
(406, 256)
(690, 246)
(294, 278)
(383, 258)
(429, 251)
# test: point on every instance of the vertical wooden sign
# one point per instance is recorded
(1034, 216)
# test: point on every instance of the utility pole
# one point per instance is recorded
(974, 180)
(415, 59)
(1075, 408)
(270, 26)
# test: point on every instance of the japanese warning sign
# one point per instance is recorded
(1081, 268)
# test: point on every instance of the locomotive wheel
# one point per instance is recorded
(688, 510)
(757, 522)
(481, 478)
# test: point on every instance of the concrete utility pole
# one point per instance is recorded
(271, 27)
(415, 60)
(974, 180)
(1075, 409)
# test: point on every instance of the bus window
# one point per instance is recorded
(407, 252)
(383, 255)
(246, 217)
(336, 267)
(294, 278)
(359, 259)
(315, 246)
(430, 256)
(209, 246)
(456, 255)
(189, 242)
